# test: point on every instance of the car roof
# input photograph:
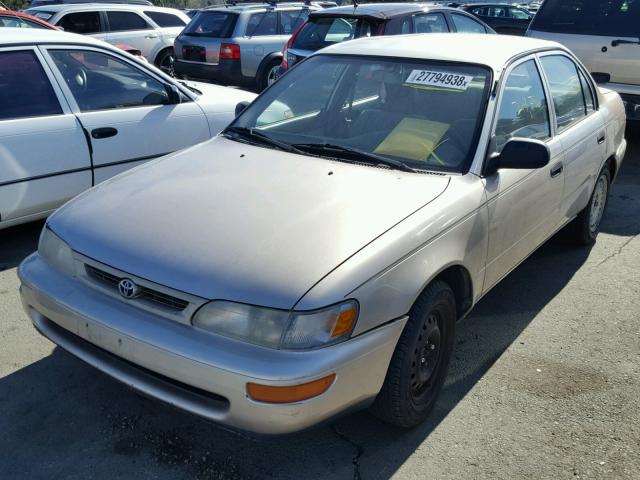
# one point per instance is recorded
(100, 6)
(32, 36)
(243, 7)
(380, 10)
(490, 50)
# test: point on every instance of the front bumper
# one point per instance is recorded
(196, 371)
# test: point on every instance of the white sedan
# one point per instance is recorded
(75, 111)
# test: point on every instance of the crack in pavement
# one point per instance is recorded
(359, 451)
(619, 251)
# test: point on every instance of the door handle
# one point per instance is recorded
(556, 170)
(601, 139)
(104, 132)
(151, 35)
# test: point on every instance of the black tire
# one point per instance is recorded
(420, 361)
(584, 228)
(263, 81)
(164, 61)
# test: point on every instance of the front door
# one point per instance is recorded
(523, 205)
(125, 109)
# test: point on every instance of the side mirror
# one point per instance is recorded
(241, 106)
(519, 154)
(173, 94)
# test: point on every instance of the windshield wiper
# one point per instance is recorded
(254, 134)
(356, 153)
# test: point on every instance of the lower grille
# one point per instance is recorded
(152, 296)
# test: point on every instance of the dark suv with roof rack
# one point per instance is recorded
(334, 25)
(238, 44)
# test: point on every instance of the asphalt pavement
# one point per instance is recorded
(545, 383)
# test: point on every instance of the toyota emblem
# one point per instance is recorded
(128, 288)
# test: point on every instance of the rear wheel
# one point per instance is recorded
(586, 226)
(164, 61)
(420, 362)
(269, 74)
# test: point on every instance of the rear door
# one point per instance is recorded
(130, 28)
(580, 128)
(44, 156)
(262, 37)
(83, 23)
(603, 34)
(124, 108)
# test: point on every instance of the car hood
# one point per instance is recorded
(226, 220)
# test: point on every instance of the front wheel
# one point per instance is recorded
(420, 361)
(587, 224)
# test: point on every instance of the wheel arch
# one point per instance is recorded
(266, 61)
(160, 53)
(459, 279)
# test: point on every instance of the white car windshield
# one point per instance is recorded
(413, 114)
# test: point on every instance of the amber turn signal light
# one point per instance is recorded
(289, 394)
(344, 322)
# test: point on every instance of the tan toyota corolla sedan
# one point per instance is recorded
(316, 256)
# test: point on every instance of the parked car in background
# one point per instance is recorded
(75, 111)
(317, 255)
(40, 3)
(240, 44)
(604, 34)
(149, 29)
(11, 19)
(334, 25)
(502, 17)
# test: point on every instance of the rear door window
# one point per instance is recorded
(211, 24)
(465, 24)
(430, 23)
(566, 90)
(165, 19)
(261, 24)
(616, 18)
(290, 20)
(25, 90)
(81, 22)
(324, 31)
(124, 21)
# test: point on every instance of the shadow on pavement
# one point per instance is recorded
(16, 243)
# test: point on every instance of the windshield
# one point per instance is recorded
(324, 31)
(616, 18)
(211, 24)
(422, 113)
(40, 14)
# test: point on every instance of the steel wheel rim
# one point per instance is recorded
(598, 202)
(427, 356)
(272, 75)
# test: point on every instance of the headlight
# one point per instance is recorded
(279, 328)
(55, 252)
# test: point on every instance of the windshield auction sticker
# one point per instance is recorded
(448, 80)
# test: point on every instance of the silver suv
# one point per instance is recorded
(605, 35)
(238, 44)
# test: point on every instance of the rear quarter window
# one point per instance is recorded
(212, 24)
(619, 18)
(324, 31)
(166, 19)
